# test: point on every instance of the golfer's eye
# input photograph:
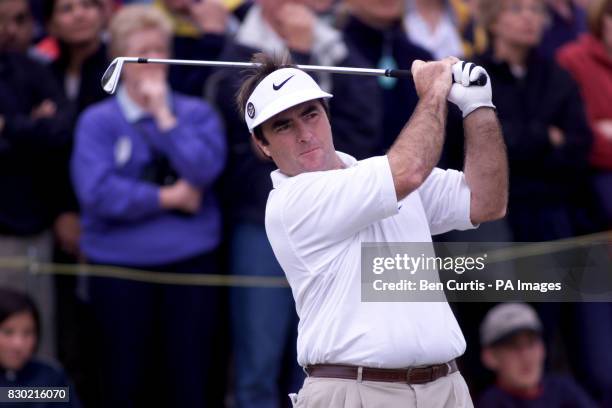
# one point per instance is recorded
(281, 127)
(311, 115)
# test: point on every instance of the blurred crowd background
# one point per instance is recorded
(162, 176)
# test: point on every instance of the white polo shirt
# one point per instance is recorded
(316, 223)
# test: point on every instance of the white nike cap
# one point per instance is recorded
(279, 91)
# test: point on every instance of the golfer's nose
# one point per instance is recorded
(304, 133)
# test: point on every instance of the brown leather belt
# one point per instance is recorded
(415, 375)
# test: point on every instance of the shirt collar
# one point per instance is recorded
(130, 109)
(279, 178)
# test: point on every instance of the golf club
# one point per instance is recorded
(110, 79)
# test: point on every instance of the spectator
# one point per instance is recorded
(143, 167)
(546, 132)
(264, 321)
(589, 60)
(433, 25)
(199, 33)
(513, 349)
(543, 119)
(17, 25)
(34, 128)
(48, 46)
(375, 30)
(567, 21)
(77, 27)
(19, 337)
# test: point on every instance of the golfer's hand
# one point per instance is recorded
(296, 26)
(469, 98)
(181, 196)
(433, 77)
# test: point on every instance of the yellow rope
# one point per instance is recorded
(525, 250)
(166, 278)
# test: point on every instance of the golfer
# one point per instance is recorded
(325, 204)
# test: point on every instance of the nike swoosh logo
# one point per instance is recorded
(279, 86)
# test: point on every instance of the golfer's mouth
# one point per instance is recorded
(309, 151)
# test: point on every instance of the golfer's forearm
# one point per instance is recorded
(417, 149)
(486, 166)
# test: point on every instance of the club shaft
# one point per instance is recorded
(312, 68)
(110, 79)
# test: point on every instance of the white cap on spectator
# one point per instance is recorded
(507, 319)
(279, 91)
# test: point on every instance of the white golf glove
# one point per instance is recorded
(469, 98)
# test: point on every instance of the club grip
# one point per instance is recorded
(404, 73)
(398, 73)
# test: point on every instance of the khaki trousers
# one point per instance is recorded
(446, 392)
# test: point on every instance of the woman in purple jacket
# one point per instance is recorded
(143, 168)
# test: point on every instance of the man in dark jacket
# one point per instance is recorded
(380, 37)
(376, 31)
(34, 122)
(34, 126)
(264, 320)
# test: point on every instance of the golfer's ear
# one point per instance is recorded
(260, 149)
